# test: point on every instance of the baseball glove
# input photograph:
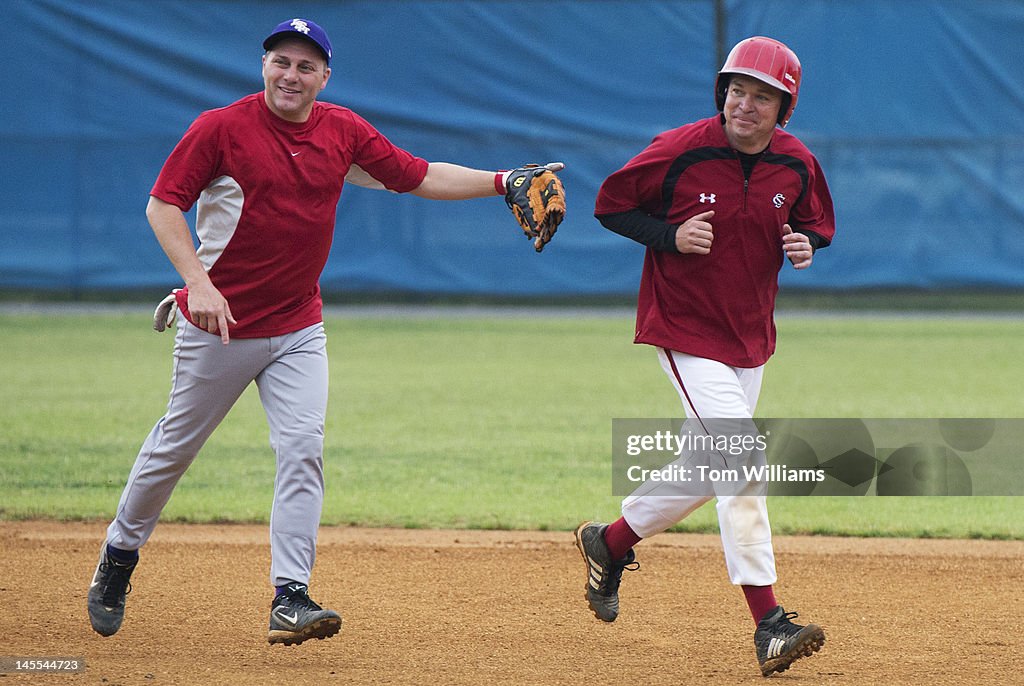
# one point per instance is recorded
(537, 200)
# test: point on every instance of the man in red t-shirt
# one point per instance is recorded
(720, 204)
(265, 174)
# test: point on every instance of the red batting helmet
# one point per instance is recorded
(767, 60)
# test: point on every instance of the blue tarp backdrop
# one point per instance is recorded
(914, 109)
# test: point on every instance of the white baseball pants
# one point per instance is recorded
(208, 378)
(712, 390)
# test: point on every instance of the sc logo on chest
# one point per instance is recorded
(779, 200)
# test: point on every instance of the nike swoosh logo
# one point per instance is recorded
(285, 618)
(294, 154)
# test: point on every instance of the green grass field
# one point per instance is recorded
(482, 422)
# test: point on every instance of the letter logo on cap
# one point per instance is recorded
(300, 25)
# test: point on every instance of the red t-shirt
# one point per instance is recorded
(268, 192)
(718, 306)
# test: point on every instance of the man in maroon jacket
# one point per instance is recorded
(720, 204)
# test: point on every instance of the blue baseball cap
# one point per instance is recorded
(304, 28)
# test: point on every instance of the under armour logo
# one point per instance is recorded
(300, 25)
(778, 200)
(707, 197)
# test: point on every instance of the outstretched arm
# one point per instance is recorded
(533, 193)
(446, 181)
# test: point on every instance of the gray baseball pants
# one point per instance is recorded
(290, 372)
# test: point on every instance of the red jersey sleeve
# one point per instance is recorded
(636, 186)
(814, 212)
(397, 169)
(191, 166)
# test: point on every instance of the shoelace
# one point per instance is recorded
(785, 625)
(615, 578)
(118, 583)
(301, 599)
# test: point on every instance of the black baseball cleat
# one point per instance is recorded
(603, 573)
(294, 617)
(107, 593)
(780, 642)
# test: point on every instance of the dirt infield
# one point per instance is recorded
(471, 607)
